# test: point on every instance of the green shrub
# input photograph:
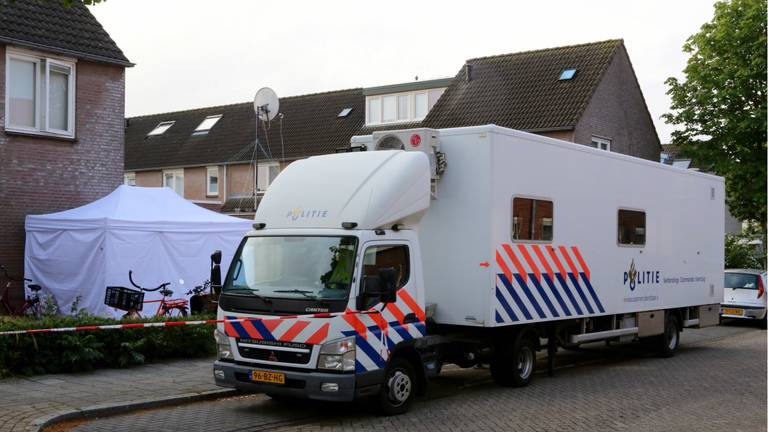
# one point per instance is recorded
(31, 354)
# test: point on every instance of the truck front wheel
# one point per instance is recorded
(513, 366)
(397, 391)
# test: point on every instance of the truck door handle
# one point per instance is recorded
(410, 318)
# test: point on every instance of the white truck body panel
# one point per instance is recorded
(474, 272)
(681, 263)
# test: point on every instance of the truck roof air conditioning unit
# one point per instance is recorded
(424, 140)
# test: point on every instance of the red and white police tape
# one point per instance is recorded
(175, 323)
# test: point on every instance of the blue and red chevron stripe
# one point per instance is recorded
(533, 284)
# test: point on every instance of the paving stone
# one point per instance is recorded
(716, 382)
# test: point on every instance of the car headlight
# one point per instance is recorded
(223, 348)
(338, 355)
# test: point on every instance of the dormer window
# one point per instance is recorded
(401, 107)
(207, 124)
(161, 128)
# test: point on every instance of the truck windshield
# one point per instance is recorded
(293, 267)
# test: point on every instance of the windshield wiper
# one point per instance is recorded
(252, 291)
(305, 293)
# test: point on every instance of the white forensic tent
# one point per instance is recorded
(153, 231)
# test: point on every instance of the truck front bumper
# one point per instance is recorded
(307, 385)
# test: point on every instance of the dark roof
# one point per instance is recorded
(519, 91)
(523, 90)
(240, 205)
(310, 126)
(51, 26)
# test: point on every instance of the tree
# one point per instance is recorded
(721, 105)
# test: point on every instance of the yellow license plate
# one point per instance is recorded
(733, 311)
(268, 377)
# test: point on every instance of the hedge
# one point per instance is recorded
(83, 351)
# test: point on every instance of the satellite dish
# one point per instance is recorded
(266, 104)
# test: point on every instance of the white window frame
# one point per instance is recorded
(163, 124)
(208, 176)
(129, 179)
(264, 172)
(411, 115)
(42, 95)
(200, 131)
(175, 173)
(70, 102)
(601, 142)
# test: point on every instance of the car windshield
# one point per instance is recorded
(293, 267)
(741, 281)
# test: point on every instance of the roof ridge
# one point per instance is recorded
(166, 113)
(541, 50)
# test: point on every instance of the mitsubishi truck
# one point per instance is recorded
(369, 270)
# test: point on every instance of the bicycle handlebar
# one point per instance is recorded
(161, 286)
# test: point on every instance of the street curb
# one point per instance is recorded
(41, 423)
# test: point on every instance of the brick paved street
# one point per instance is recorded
(716, 382)
(27, 402)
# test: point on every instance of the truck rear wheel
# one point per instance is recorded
(670, 340)
(399, 387)
(514, 365)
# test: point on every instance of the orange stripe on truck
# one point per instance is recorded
(543, 260)
(581, 261)
(411, 303)
(518, 265)
(530, 262)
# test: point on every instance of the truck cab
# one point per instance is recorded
(320, 296)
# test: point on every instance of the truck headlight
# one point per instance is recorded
(223, 348)
(338, 355)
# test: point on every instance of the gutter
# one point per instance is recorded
(67, 52)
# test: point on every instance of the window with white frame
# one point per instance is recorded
(129, 179)
(212, 181)
(161, 128)
(174, 179)
(268, 171)
(39, 94)
(601, 143)
(207, 124)
(401, 107)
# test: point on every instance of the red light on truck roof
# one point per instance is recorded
(415, 140)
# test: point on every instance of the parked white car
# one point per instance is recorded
(744, 295)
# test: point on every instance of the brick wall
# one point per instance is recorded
(618, 111)
(41, 175)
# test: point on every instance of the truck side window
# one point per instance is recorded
(395, 256)
(532, 219)
(631, 227)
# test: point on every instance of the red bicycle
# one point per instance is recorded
(167, 307)
(32, 306)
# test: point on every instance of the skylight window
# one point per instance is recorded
(161, 128)
(207, 124)
(567, 74)
(345, 112)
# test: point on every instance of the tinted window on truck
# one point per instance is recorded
(532, 219)
(631, 227)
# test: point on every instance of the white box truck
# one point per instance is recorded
(368, 270)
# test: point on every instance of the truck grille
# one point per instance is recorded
(275, 351)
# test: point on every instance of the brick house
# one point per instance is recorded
(62, 100)
(587, 94)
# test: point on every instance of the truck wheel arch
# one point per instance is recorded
(407, 350)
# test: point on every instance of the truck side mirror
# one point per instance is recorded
(388, 287)
(216, 272)
(381, 287)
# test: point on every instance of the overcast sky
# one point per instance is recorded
(194, 53)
